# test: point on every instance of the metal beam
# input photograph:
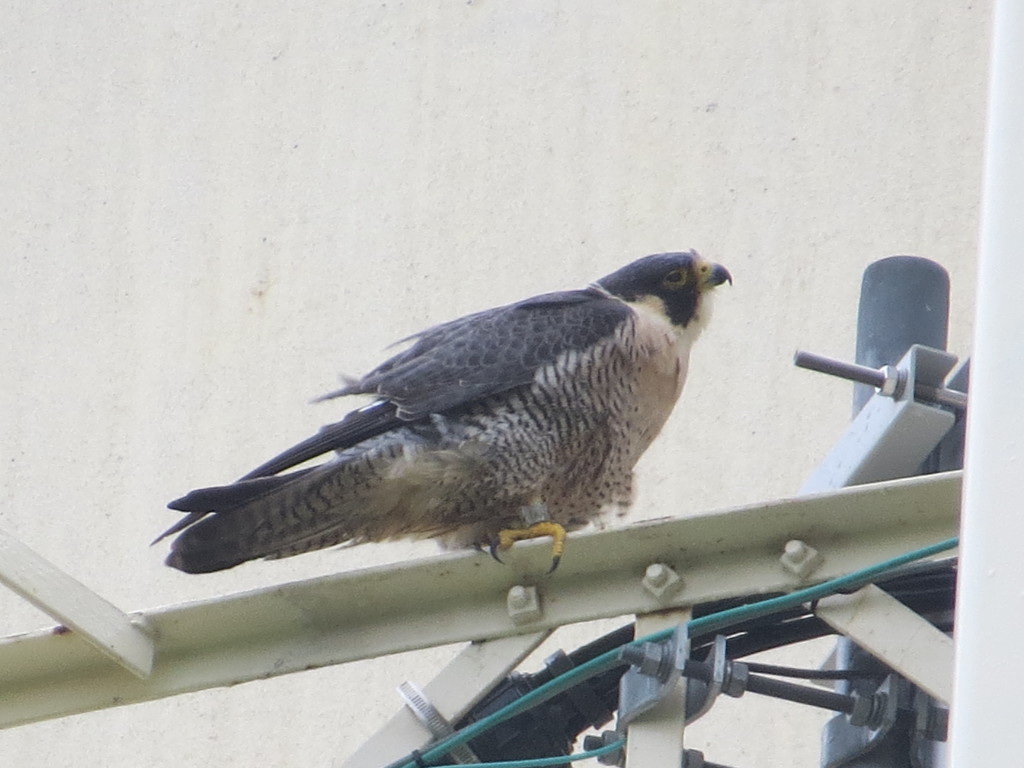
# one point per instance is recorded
(466, 596)
(987, 716)
(101, 623)
(894, 634)
(453, 693)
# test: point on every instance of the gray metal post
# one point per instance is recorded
(904, 301)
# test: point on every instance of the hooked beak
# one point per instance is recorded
(713, 275)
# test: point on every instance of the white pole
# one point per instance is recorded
(988, 719)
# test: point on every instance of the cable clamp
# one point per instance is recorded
(434, 722)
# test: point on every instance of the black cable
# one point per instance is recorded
(812, 674)
(551, 729)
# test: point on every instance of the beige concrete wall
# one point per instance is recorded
(209, 211)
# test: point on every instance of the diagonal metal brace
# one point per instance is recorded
(895, 635)
(104, 625)
(450, 695)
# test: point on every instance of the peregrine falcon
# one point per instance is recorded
(517, 422)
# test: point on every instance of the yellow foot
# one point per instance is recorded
(510, 536)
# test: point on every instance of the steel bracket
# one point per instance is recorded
(653, 674)
(892, 435)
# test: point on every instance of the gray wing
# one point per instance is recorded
(458, 363)
(462, 361)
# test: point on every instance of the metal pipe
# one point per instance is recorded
(862, 374)
(801, 694)
(989, 668)
(887, 379)
(904, 300)
(779, 689)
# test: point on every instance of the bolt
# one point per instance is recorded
(933, 722)
(800, 559)
(661, 581)
(518, 597)
(893, 382)
(868, 709)
(651, 659)
(796, 549)
(523, 604)
(607, 738)
(657, 574)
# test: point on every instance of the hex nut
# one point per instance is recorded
(800, 559)
(661, 581)
(523, 604)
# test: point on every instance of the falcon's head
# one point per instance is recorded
(673, 284)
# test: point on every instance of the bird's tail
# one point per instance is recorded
(378, 494)
(267, 517)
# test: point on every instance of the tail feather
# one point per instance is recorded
(229, 525)
(388, 490)
(225, 497)
(204, 501)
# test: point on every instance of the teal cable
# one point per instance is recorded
(541, 762)
(537, 696)
(715, 621)
(701, 626)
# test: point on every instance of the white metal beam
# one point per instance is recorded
(464, 596)
(883, 626)
(453, 693)
(77, 607)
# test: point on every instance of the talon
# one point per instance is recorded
(493, 549)
(509, 536)
(557, 548)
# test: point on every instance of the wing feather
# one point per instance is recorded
(465, 360)
(362, 424)
(460, 362)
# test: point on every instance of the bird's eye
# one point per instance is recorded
(675, 278)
